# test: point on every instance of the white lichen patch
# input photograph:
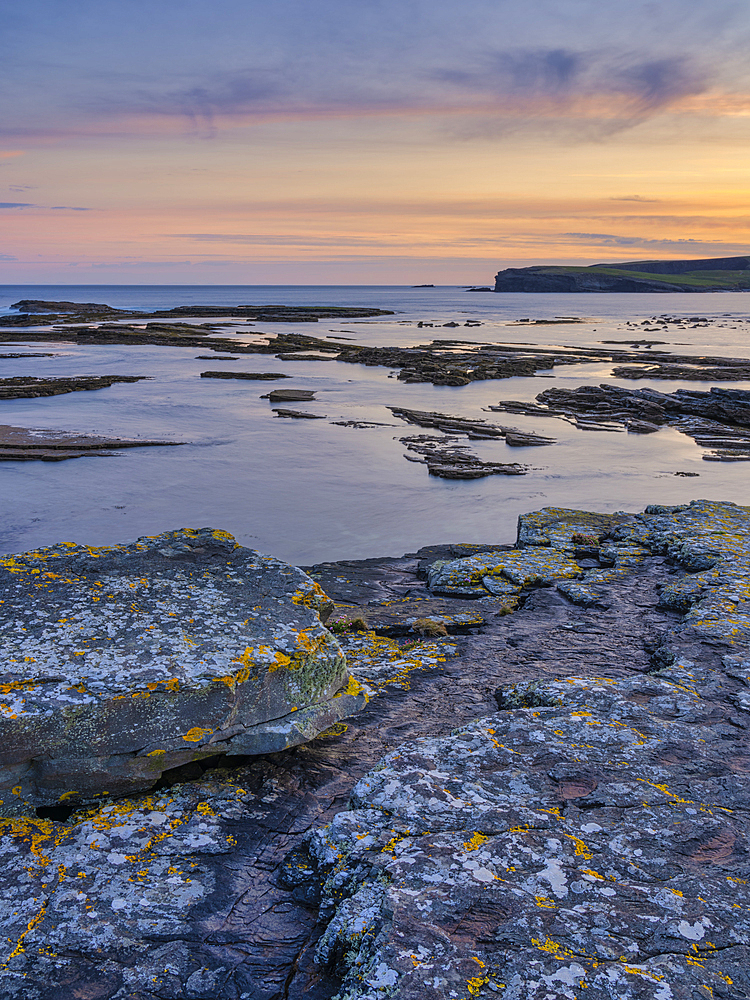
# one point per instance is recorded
(111, 880)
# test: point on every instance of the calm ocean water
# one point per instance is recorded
(310, 490)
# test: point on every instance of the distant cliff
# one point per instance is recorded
(717, 274)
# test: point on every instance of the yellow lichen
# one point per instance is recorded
(196, 734)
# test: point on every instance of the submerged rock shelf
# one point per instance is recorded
(584, 828)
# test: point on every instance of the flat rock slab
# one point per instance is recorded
(23, 444)
(119, 663)
(252, 376)
(28, 387)
(289, 395)
(297, 414)
(594, 844)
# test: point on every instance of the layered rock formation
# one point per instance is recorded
(20, 444)
(718, 419)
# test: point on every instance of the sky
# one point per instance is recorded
(367, 141)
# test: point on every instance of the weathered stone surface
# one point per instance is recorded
(503, 573)
(591, 844)
(120, 663)
(669, 694)
(593, 835)
(447, 459)
(411, 617)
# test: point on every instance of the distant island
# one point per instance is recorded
(717, 274)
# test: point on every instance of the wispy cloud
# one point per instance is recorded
(690, 245)
(610, 239)
(635, 197)
(16, 204)
(105, 65)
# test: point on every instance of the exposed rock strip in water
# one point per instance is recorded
(446, 362)
(718, 419)
(121, 663)
(21, 444)
(475, 430)
(580, 834)
(290, 395)
(297, 414)
(252, 376)
(33, 312)
(447, 459)
(441, 362)
(694, 370)
(30, 387)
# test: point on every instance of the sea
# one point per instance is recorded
(309, 491)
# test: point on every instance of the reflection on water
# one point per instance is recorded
(309, 490)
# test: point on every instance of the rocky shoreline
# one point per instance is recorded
(441, 362)
(546, 794)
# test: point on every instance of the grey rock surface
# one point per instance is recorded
(615, 727)
(120, 663)
(592, 835)
(718, 419)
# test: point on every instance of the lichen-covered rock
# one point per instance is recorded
(591, 836)
(131, 871)
(589, 839)
(503, 573)
(598, 843)
(119, 663)
(710, 539)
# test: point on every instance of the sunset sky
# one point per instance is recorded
(372, 142)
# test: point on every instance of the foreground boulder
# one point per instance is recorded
(120, 663)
